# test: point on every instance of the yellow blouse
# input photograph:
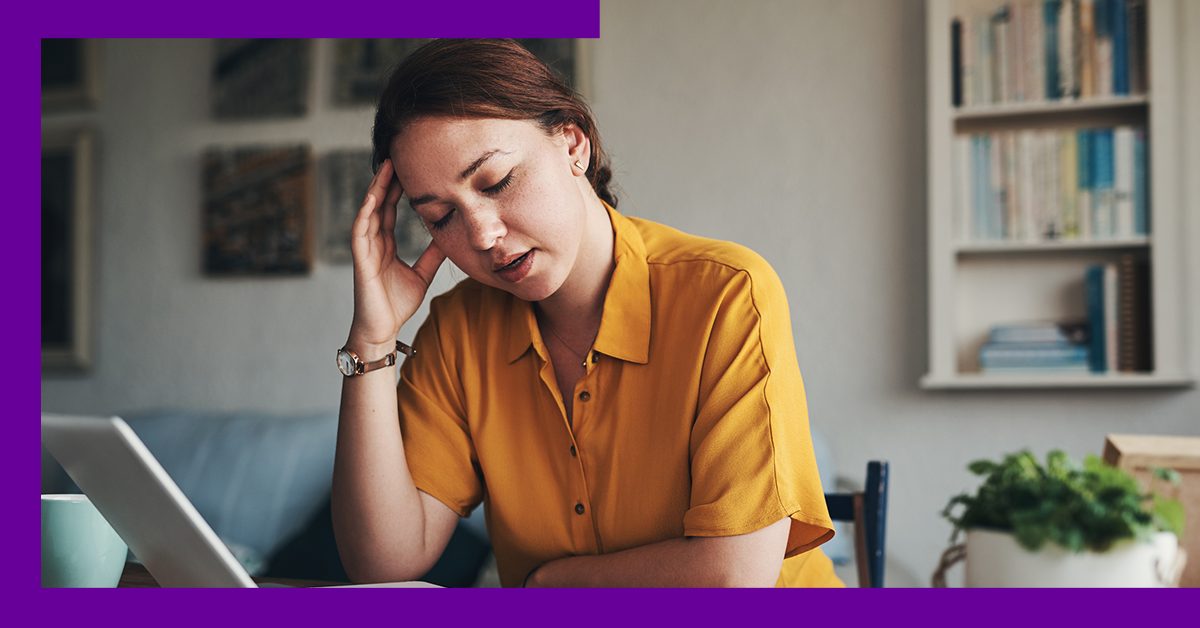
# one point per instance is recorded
(691, 419)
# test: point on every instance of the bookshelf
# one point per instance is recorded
(981, 278)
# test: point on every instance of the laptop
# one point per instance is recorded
(129, 487)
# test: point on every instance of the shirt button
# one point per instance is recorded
(573, 452)
(579, 509)
(585, 395)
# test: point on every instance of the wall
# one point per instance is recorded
(796, 128)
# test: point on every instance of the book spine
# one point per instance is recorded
(1110, 316)
(1103, 214)
(967, 51)
(986, 62)
(1126, 328)
(1138, 79)
(1123, 180)
(1012, 208)
(1083, 173)
(1000, 52)
(1028, 183)
(1035, 45)
(1094, 292)
(1050, 10)
(1141, 193)
(996, 180)
(962, 187)
(1067, 68)
(1053, 227)
(1087, 49)
(1104, 48)
(956, 68)
(1069, 183)
(1120, 51)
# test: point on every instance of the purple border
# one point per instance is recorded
(523, 18)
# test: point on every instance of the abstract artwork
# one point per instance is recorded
(346, 177)
(257, 211)
(260, 78)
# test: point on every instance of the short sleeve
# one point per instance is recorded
(752, 459)
(437, 441)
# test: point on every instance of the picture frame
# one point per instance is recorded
(346, 175)
(257, 211)
(361, 66)
(70, 69)
(260, 78)
(68, 179)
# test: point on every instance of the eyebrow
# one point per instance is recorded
(468, 171)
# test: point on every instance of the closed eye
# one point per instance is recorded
(441, 222)
(500, 187)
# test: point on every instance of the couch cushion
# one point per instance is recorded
(256, 478)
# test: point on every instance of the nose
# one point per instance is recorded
(484, 228)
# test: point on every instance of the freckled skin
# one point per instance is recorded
(544, 208)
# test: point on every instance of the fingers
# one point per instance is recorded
(362, 222)
(427, 265)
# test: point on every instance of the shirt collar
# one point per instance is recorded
(625, 322)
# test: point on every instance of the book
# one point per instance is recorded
(1123, 156)
(1083, 179)
(1103, 207)
(1110, 316)
(1141, 191)
(1075, 332)
(1119, 23)
(1087, 49)
(1050, 11)
(1136, 29)
(956, 67)
(1094, 297)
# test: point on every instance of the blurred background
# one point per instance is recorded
(204, 187)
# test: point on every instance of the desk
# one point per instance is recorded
(136, 576)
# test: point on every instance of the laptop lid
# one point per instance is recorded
(112, 466)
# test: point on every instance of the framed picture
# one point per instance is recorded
(260, 78)
(257, 211)
(69, 74)
(346, 177)
(361, 66)
(67, 189)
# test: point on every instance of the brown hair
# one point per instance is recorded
(484, 78)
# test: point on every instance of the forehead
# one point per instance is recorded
(436, 150)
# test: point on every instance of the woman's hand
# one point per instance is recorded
(387, 291)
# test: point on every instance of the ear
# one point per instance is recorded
(579, 147)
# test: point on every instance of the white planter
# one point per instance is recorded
(995, 559)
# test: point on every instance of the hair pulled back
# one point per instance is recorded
(484, 78)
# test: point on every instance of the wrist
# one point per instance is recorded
(369, 351)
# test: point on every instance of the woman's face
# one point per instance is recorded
(496, 191)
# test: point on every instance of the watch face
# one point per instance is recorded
(345, 362)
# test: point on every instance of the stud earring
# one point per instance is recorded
(580, 166)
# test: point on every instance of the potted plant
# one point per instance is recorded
(1065, 525)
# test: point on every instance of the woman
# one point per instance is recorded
(623, 396)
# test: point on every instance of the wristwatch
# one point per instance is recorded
(350, 364)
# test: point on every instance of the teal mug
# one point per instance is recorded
(79, 547)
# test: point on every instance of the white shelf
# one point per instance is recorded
(979, 381)
(975, 285)
(1000, 246)
(1002, 110)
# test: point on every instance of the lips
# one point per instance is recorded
(509, 262)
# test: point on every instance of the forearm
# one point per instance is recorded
(752, 560)
(378, 517)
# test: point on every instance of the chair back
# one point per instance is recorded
(867, 509)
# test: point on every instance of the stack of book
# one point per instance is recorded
(1118, 311)
(1049, 184)
(1036, 347)
(1036, 50)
